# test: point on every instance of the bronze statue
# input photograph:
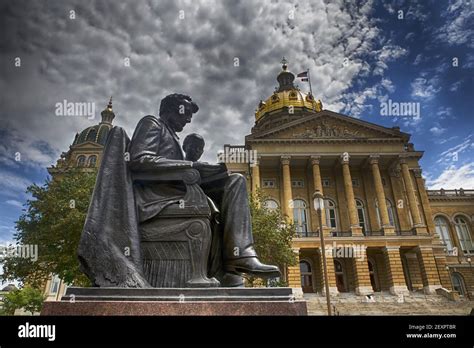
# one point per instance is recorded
(158, 219)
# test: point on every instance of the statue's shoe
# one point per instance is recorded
(231, 280)
(252, 266)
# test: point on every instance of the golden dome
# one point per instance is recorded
(287, 95)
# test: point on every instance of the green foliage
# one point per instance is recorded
(28, 298)
(272, 235)
(53, 220)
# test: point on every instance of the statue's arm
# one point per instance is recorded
(146, 140)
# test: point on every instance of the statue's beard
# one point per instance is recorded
(177, 126)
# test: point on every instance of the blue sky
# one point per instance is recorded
(361, 54)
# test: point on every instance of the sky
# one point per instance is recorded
(226, 56)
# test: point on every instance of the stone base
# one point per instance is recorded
(185, 301)
(332, 291)
(431, 289)
(399, 290)
(364, 290)
(420, 230)
(389, 231)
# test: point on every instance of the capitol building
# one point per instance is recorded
(403, 237)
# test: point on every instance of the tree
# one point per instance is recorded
(53, 220)
(272, 235)
(28, 298)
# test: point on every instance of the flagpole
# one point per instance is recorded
(310, 88)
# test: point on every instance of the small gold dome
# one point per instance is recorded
(287, 95)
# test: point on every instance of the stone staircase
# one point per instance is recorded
(383, 303)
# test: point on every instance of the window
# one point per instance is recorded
(270, 204)
(340, 276)
(464, 235)
(92, 161)
(81, 161)
(458, 283)
(306, 276)
(355, 182)
(300, 216)
(331, 213)
(269, 183)
(297, 183)
(326, 182)
(441, 226)
(361, 214)
(54, 285)
(390, 212)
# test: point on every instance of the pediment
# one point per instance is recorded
(88, 145)
(328, 125)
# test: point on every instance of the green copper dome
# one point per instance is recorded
(98, 133)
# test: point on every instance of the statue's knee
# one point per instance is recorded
(237, 179)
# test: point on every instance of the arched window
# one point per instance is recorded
(331, 213)
(92, 161)
(270, 204)
(306, 276)
(390, 211)
(441, 226)
(300, 216)
(361, 215)
(464, 234)
(458, 283)
(81, 161)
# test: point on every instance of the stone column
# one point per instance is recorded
(350, 200)
(425, 203)
(415, 213)
(429, 271)
(318, 186)
(444, 277)
(363, 285)
(379, 191)
(287, 204)
(401, 204)
(255, 177)
(331, 271)
(294, 273)
(394, 267)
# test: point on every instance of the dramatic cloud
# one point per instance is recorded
(436, 130)
(423, 88)
(225, 54)
(454, 177)
(459, 27)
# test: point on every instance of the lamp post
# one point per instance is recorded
(469, 296)
(319, 206)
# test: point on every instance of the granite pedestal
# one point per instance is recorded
(177, 301)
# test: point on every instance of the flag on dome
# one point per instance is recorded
(303, 75)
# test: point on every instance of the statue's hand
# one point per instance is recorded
(207, 170)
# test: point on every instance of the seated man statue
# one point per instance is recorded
(155, 148)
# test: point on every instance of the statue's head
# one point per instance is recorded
(177, 110)
(193, 146)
